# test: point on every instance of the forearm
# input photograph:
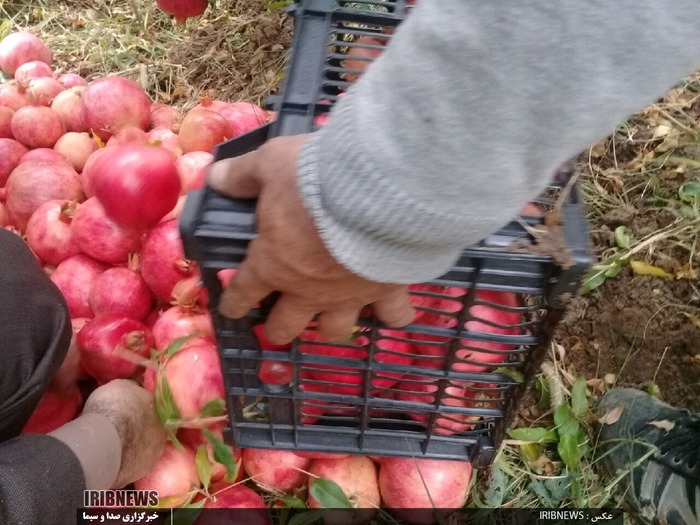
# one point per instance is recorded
(41, 481)
(469, 112)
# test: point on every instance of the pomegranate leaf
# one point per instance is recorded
(204, 465)
(579, 402)
(329, 494)
(165, 404)
(569, 451)
(565, 421)
(293, 502)
(215, 407)
(534, 435)
(176, 344)
(222, 454)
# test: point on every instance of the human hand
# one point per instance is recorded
(131, 410)
(288, 255)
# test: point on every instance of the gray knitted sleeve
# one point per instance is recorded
(468, 113)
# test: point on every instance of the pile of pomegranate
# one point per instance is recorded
(93, 176)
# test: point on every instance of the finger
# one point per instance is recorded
(236, 177)
(288, 318)
(244, 292)
(338, 325)
(394, 309)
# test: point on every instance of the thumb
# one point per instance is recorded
(236, 177)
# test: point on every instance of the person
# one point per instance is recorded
(116, 439)
(461, 121)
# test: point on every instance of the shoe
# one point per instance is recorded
(665, 487)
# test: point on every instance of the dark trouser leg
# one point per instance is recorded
(35, 333)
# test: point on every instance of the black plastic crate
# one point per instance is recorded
(445, 387)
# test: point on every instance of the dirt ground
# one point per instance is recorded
(640, 328)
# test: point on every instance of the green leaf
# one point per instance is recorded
(515, 375)
(569, 451)
(622, 238)
(204, 465)
(551, 492)
(328, 494)
(610, 267)
(306, 518)
(165, 404)
(690, 191)
(579, 401)
(542, 388)
(292, 502)
(176, 345)
(496, 491)
(277, 5)
(565, 421)
(222, 454)
(535, 435)
(214, 408)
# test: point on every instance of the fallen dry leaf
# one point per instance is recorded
(612, 417)
(693, 319)
(642, 268)
(686, 272)
(664, 424)
(609, 379)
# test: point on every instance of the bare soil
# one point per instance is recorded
(638, 327)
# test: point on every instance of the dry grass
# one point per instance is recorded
(234, 52)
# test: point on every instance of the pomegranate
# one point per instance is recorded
(76, 148)
(100, 237)
(162, 136)
(69, 108)
(163, 262)
(227, 496)
(195, 379)
(14, 96)
(164, 116)
(128, 135)
(5, 120)
(137, 185)
(33, 183)
(403, 483)
(177, 322)
(70, 80)
(86, 174)
(203, 130)
(192, 168)
(43, 90)
(243, 116)
(43, 154)
(31, 70)
(173, 476)
(275, 470)
(11, 152)
(75, 277)
(19, 48)
(357, 476)
(183, 9)
(53, 411)
(458, 395)
(121, 291)
(111, 345)
(111, 103)
(49, 232)
(206, 102)
(37, 126)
